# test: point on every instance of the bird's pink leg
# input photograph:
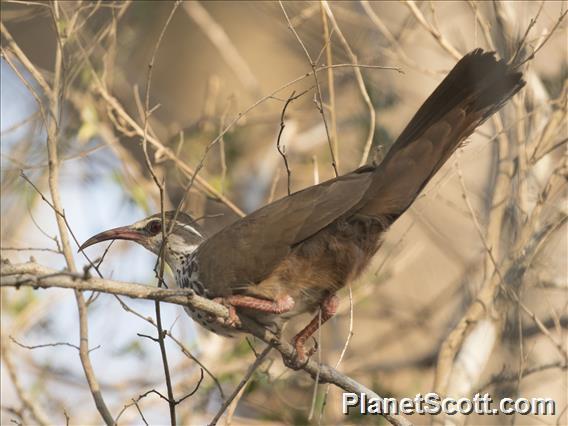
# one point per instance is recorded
(278, 306)
(328, 309)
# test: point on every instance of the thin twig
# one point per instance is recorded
(433, 31)
(28, 402)
(360, 83)
(28, 65)
(48, 345)
(30, 275)
(195, 388)
(116, 107)
(273, 185)
(25, 82)
(503, 377)
(330, 84)
(541, 45)
(343, 351)
(165, 232)
(319, 97)
(219, 38)
(527, 30)
(282, 149)
(394, 42)
(484, 23)
(168, 153)
(252, 368)
(29, 249)
(502, 283)
(222, 153)
(233, 405)
(181, 346)
(19, 124)
(52, 136)
(135, 402)
(140, 412)
(316, 169)
(161, 343)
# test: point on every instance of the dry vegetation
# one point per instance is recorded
(119, 109)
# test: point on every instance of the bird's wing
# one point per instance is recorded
(253, 246)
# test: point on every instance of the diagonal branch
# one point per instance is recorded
(217, 35)
(253, 367)
(27, 400)
(31, 274)
(432, 30)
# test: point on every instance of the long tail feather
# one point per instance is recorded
(475, 89)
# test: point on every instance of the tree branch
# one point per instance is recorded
(31, 274)
(52, 126)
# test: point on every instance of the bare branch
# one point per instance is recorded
(330, 83)
(165, 233)
(503, 377)
(28, 65)
(502, 282)
(31, 274)
(34, 275)
(217, 35)
(432, 30)
(52, 126)
(360, 83)
(49, 345)
(319, 96)
(282, 149)
(30, 249)
(28, 402)
(252, 368)
(543, 43)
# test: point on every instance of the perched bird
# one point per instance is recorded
(292, 256)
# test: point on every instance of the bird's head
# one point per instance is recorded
(185, 237)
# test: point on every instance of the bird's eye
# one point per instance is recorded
(154, 227)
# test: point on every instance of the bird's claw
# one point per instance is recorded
(300, 358)
(233, 319)
(294, 363)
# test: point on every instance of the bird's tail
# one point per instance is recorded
(475, 89)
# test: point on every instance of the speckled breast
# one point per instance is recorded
(188, 277)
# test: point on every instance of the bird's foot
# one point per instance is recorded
(280, 305)
(233, 320)
(300, 357)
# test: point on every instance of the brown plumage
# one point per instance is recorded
(292, 255)
(369, 198)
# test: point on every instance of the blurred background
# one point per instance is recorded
(220, 79)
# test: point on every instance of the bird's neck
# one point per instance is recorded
(180, 263)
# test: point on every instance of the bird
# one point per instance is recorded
(293, 255)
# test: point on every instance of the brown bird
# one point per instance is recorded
(292, 256)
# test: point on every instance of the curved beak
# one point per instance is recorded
(121, 233)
